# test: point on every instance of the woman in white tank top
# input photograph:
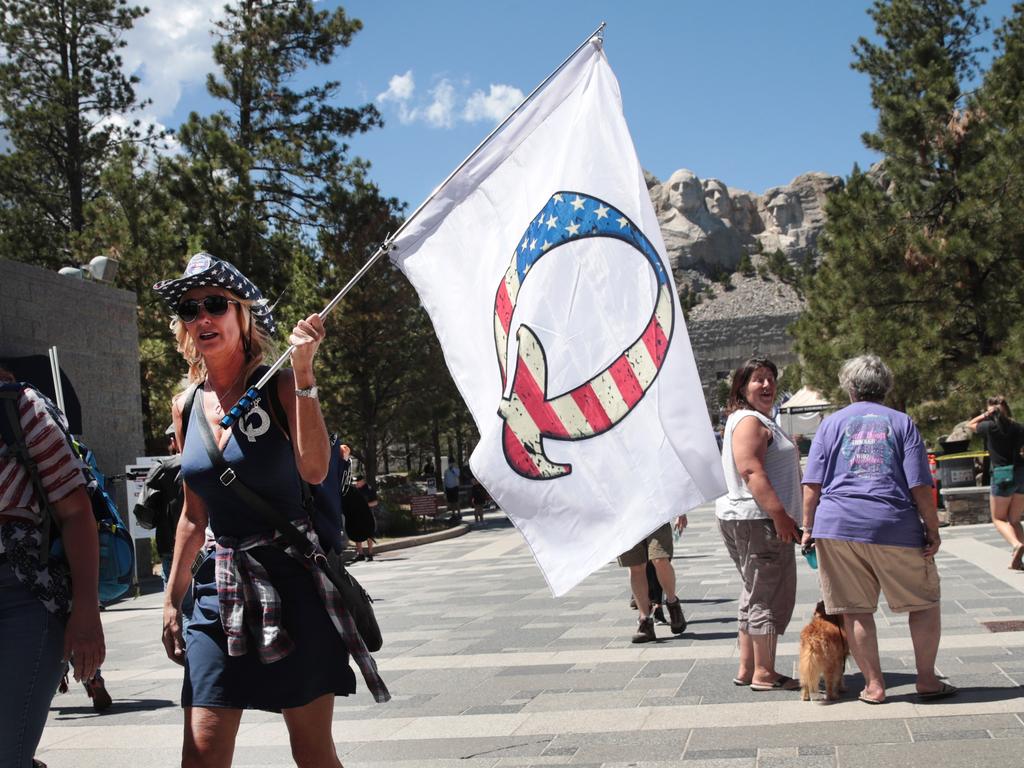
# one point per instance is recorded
(757, 519)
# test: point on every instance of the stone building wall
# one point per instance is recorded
(96, 334)
(721, 345)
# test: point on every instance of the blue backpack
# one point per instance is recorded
(117, 551)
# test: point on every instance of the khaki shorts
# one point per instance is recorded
(852, 573)
(767, 568)
(656, 546)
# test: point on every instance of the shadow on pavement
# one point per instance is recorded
(119, 706)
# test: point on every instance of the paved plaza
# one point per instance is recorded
(487, 670)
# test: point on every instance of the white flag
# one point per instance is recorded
(543, 270)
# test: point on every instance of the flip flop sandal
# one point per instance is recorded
(782, 683)
(740, 682)
(869, 700)
(944, 692)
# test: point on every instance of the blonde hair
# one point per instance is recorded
(263, 346)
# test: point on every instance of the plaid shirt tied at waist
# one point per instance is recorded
(250, 606)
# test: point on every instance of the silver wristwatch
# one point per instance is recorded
(311, 392)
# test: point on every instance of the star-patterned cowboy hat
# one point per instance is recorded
(204, 269)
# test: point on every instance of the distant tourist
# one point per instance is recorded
(757, 519)
(369, 494)
(451, 488)
(1004, 439)
(869, 507)
(656, 549)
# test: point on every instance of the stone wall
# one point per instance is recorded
(94, 329)
(721, 345)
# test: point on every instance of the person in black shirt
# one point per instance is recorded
(369, 493)
(1004, 439)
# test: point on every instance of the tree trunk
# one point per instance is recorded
(435, 436)
(459, 445)
(72, 125)
(408, 455)
(370, 456)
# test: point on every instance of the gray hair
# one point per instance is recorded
(866, 378)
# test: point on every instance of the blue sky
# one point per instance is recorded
(749, 92)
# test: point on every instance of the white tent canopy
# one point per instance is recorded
(806, 400)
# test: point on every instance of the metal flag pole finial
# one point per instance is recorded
(252, 395)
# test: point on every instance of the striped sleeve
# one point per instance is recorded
(59, 469)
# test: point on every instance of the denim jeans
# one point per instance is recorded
(31, 646)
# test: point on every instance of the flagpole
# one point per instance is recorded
(252, 395)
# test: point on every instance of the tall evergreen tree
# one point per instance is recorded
(918, 266)
(64, 101)
(258, 174)
(136, 218)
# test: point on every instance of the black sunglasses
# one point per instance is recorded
(215, 306)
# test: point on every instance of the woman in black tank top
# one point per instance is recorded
(1004, 439)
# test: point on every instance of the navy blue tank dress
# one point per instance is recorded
(263, 459)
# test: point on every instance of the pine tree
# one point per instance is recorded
(258, 174)
(921, 261)
(64, 101)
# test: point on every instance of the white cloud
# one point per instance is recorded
(400, 88)
(170, 48)
(446, 104)
(440, 112)
(494, 105)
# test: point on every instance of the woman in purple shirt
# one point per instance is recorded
(868, 500)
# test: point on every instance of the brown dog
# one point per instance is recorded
(823, 652)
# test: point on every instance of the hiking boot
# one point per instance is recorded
(645, 631)
(632, 603)
(659, 615)
(359, 558)
(97, 691)
(677, 621)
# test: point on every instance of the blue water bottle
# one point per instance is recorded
(810, 554)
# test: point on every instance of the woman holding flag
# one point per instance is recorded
(265, 631)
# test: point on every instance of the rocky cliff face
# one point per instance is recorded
(708, 227)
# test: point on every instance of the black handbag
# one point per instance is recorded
(357, 602)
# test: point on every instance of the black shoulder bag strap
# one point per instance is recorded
(19, 449)
(229, 479)
(357, 601)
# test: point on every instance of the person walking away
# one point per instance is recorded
(477, 495)
(869, 508)
(268, 628)
(757, 519)
(451, 489)
(1004, 439)
(369, 494)
(49, 610)
(656, 549)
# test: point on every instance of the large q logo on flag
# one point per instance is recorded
(529, 412)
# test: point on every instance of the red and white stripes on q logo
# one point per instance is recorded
(592, 408)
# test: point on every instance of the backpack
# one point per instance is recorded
(323, 500)
(116, 548)
(160, 502)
